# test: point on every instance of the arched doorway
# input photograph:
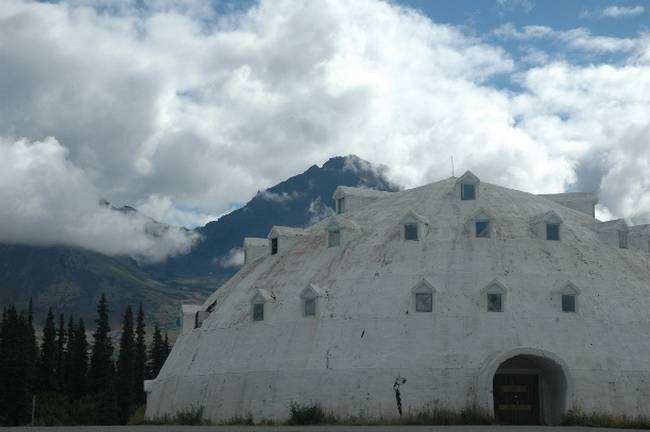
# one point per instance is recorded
(525, 386)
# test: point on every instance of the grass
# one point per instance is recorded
(313, 413)
(192, 416)
(576, 417)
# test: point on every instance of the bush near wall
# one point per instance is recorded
(576, 417)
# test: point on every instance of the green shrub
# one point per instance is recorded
(576, 417)
(192, 416)
(53, 409)
(306, 414)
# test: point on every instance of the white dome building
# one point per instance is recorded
(463, 293)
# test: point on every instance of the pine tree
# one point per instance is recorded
(60, 355)
(15, 364)
(167, 347)
(156, 353)
(47, 362)
(125, 366)
(101, 365)
(68, 371)
(140, 359)
(78, 363)
(33, 353)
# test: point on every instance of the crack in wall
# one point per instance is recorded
(398, 395)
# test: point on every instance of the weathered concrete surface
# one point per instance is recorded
(366, 332)
(313, 429)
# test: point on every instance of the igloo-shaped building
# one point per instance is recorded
(458, 293)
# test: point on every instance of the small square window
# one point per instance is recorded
(423, 302)
(258, 312)
(553, 231)
(483, 229)
(333, 238)
(274, 246)
(411, 231)
(568, 303)
(468, 192)
(310, 307)
(494, 303)
(622, 239)
(340, 205)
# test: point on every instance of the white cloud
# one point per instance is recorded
(234, 258)
(283, 197)
(182, 117)
(576, 39)
(318, 211)
(49, 200)
(613, 12)
(510, 5)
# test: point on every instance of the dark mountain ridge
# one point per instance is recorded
(71, 279)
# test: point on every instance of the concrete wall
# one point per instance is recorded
(367, 334)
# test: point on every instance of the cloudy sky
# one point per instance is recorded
(184, 109)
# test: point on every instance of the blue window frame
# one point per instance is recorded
(553, 231)
(258, 312)
(494, 303)
(468, 192)
(568, 303)
(411, 231)
(482, 229)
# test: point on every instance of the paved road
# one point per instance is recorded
(310, 429)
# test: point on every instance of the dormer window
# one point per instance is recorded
(553, 231)
(622, 239)
(494, 302)
(468, 192)
(258, 304)
(569, 298)
(258, 311)
(333, 238)
(413, 226)
(547, 226)
(309, 297)
(423, 296)
(411, 231)
(482, 228)
(495, 295)
(274, 246)
(340, 205)
(309, 307)
(467, 186)
(568, 303)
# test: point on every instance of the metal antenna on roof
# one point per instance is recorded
(452, 166)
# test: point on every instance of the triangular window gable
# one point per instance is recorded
(480, 224)
(412, 226)
(423, 295)
(467, 186)
(495, 296)
(261, 296)
(312, 291)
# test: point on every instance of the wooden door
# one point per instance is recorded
(516, 399)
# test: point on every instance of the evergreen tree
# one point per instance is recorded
(125, 369)
(107, 404)
(33, 353)
(167, 347)
(60, 355)
(68, 371)
(78, 363)
(47, 362)
(140, 359)
(101, 367)
(101, 364)
(15, 364)
(156, 352)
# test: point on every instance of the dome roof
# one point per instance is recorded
(364, 328)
